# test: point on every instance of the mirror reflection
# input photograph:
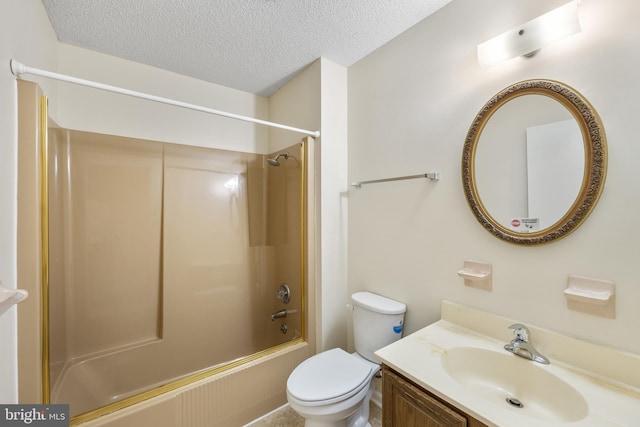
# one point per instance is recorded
(529, 163)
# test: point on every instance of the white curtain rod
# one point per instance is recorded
(18, 69)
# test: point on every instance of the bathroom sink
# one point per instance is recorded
(516, 383)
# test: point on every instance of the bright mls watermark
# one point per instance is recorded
(34, 415)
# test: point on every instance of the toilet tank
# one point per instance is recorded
(377, 321)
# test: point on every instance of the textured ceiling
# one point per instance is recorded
(251, 45)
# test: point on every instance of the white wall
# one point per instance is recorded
(334, 213)
(25, 35)
(103, 112)
(296, 104)
(410, 107)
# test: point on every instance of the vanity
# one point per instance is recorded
(405, 403)
(456, 372)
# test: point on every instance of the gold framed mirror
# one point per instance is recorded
(534, 162)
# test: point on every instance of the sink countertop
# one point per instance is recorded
(608, 379)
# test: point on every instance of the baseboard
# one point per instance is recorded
(376, 398)
(266, 415)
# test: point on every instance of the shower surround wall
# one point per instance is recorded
(164, 261)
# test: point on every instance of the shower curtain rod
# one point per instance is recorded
(18, 69)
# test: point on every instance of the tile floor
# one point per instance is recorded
(287, 417)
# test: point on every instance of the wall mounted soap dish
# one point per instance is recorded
(477, 274)
(9, 297)
(591, 296)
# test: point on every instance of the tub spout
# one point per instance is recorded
(278, 315)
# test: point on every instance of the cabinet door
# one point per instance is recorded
(405, 405)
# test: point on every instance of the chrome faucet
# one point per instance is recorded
(521, 346)
(278, 315)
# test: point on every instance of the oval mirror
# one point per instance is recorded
(534, 162)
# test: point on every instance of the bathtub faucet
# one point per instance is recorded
(278, 315)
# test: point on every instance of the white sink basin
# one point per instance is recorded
(514, 382)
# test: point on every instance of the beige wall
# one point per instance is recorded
(410, 106)
(37, 45)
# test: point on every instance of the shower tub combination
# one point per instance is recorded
(165, 263)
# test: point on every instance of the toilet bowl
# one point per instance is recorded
(330, 389)
(333, 388)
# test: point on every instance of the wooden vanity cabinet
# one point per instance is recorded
(405, 404)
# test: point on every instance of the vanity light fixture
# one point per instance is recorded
(527, 39)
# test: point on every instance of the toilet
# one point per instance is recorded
(333, 388)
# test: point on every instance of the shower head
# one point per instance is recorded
(274, 161)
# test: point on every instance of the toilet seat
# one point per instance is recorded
(328, 377)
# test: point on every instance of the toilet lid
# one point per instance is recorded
(328, 375)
